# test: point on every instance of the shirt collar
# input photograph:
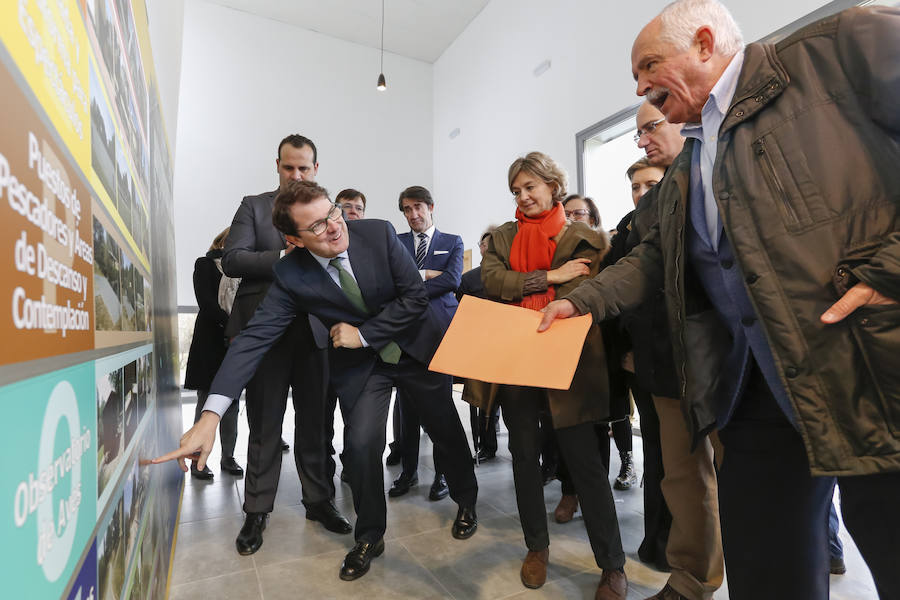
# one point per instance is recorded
(324, 261)
(720, 96)
(428, 232)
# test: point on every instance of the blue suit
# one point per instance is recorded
(445, 254)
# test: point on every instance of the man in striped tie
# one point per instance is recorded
(439, 259)
(363, 285)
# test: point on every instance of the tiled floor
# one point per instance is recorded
(300, 559)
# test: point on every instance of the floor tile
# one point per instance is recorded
(242, 585)
(206, 549)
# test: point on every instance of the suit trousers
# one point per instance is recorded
(694, 550)
(292, 363)
(578, 444)
(228, 425)
(775, 514)
(410, 425)
(365, 421)
(657, 518)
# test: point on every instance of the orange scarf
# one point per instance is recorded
(533, 248)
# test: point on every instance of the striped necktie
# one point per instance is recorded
(391, 352)
(420, 251)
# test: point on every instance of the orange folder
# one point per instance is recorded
(499, 343)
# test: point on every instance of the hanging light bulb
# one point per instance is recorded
(382, 84)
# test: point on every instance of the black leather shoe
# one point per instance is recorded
(356, 563)
(402, 485)
(394, 456)
(204, 473)
(250, 537)
(285, 446)
(439, 488)
(327, 514)
(230, 466)
(465, 524)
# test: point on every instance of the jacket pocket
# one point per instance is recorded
(785, 194)
(876, 330)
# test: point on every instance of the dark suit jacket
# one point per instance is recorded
(445, 253)
(251, 251)
(470, 284)
(391, 287)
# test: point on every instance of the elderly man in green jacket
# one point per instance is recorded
(777, 239)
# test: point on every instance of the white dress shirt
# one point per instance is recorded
(429, 233)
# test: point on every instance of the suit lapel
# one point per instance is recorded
(320, 282)
(429, 254)
(270, 199)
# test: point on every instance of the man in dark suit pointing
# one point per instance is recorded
(360, 281)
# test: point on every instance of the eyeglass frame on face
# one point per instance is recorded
(649, 128)
(334, 213)
(579, 212)
(348, 205)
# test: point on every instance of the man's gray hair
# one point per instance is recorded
(680, 21)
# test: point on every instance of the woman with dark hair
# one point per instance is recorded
(208, 348)
(529, 262)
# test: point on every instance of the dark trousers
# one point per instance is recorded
(657, 518)
(486, 426)
(774, 514)
(365, 421)
(578, 444)
(410, 426)
(228, 425)
(290, 363)
(566, 482)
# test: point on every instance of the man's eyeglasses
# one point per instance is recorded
(648, 128)
(578, 212)
(319, 227)
(350, 206)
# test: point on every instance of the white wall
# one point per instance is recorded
(246, 82)
(484, 85)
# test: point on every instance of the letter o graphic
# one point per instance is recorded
(63, 404)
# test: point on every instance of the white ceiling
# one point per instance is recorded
(420, 29)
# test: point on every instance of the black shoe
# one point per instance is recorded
(230, 466)
(285, 446)
(327, 514)
(627, 477)
(439, 488)
(548, 472)
(250, 537)
(204, 474)
(402, 485)
(484, 455)
(837, 566)
(356, 563)
(394, 456)
(465, 524)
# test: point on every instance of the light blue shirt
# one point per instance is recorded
(707, 133)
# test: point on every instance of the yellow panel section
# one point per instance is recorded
(48, 42)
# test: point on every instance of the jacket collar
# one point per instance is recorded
(762, 78)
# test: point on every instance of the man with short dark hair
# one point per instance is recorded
(353, 203)
(777, 239)
(252, 249)
(439, 258)
(359, 281)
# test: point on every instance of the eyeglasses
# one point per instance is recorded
(350, 206)
(319, 227)
(648, 128)
(578, 212)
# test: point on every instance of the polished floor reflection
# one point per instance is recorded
(300, 559)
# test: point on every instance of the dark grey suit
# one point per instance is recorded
(399, 312)
(252, 249)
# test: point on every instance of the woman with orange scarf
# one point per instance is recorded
(529, 262)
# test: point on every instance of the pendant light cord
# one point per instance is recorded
(382, 36)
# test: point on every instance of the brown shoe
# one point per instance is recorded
(668, 593)
(534, 568)
(613, 585)
(566, 508)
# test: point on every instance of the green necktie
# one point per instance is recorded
(390, 353)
